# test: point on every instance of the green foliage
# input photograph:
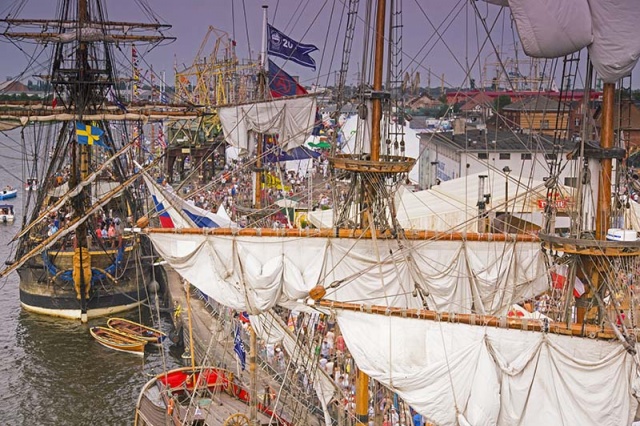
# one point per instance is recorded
(19, 97)
(501, 102)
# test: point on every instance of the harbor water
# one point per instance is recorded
(52, 371)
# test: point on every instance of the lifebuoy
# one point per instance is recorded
(171, 406)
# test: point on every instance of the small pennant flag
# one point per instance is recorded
(238, 347)
(283, 46)
(89, 135)
(161, 141)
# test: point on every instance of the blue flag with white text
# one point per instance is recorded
(284, 47)
(238, 347)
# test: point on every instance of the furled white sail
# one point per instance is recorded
(9, 121)
(616, 43)
(457, 374)
(252, 273)
(550, 29)
(609, 28)
(291, 119)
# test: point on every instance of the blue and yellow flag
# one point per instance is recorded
(89, 135)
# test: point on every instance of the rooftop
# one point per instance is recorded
(497, 140)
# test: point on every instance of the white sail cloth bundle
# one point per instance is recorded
(609, 28)
(457, 374)
(254, 274)
(291, 119)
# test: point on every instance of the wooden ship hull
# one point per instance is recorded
(47, 286)
(207, 395)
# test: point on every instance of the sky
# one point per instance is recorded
(451, 51)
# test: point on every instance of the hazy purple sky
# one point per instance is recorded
(451, 52)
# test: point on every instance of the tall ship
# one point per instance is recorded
(443, 317)
(73, 254)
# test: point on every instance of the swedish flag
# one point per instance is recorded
(89, 135)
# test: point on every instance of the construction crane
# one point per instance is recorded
(215, 79)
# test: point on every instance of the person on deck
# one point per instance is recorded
(52, 229)
(111, 234)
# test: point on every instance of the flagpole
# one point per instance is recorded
(262, 87)
(263, 57)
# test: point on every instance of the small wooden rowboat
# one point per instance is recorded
(136, 330)
(118, 341)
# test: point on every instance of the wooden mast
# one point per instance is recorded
(362, 380)
(82, 258)
(604, 183)
(596, 270)
(376, 102)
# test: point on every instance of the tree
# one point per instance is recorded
(501, 102)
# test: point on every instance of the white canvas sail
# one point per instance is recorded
(291, 119)
(255, 273)
(616, 44)
(609, 28)
(457, 374)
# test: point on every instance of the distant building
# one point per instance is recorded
(15, 88)
(447, 156)
(626, 120)
(538, 114)
(12, 87)
(480, 105)
(455, 96)
(423, 101)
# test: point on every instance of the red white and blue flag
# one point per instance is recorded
(244, 317)
(282, 84)
(161, 141)
(175, 212)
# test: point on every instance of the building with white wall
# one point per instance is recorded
(446, 155)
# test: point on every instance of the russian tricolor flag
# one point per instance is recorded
(175, 212)
(163, 215)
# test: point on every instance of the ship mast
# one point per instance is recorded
(606, 143)
(370, 205)
(81, 255)
(594, 257)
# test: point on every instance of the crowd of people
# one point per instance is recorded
(233, 188)
(322, 333)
